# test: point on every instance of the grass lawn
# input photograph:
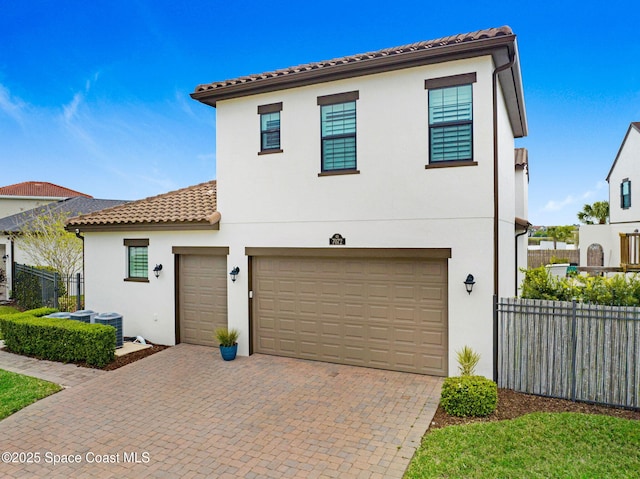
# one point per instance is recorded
(18, 391)
(537, 445)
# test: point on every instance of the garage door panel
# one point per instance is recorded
(202, 297)
(376, 312)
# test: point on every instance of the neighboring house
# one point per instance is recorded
(11, 226)
(616, 246)
(31, 194)
(356, 196)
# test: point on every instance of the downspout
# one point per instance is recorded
(78, 235)
(526, 230)
(496, 222)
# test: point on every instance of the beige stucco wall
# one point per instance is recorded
(278, 200)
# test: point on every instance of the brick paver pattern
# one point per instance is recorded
(184, 412)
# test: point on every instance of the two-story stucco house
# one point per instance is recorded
(354, 197)
(616, 246)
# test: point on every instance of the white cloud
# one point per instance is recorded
(71, 109)
(13, 107)
(576, 200)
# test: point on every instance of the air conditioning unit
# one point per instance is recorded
(84, 315)
(111, 319)
(59, 315)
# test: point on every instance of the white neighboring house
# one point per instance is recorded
(616, 246)
(11, 226)
(354, 197)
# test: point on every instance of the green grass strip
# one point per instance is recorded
(538, 445)
(18, 391)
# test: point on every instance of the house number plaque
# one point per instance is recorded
(337, 240)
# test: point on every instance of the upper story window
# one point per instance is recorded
(625, 194)
(338, 132)
(451, 118)
(270, 128)
(137, 259)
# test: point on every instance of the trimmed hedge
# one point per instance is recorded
(465, 396)
(617, 290)
(58, 339)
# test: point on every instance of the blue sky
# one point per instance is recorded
(94, 95)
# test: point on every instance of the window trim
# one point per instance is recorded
(336, 99)
(443, 83)
(267, 109)
(622, 195)
(136, 243)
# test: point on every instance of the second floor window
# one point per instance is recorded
(338, 131)
(451, 123)
(625, 194)
(270, 128)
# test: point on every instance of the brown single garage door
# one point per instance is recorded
(387, 313)
(202, 297)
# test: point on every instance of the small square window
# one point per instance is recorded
(137, 259)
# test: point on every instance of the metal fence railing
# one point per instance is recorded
(36, 287)
(570, 350)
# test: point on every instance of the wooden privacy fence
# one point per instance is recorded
(570, 350)
(538, 257)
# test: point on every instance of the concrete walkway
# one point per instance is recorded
(66, 375)
(185, 413)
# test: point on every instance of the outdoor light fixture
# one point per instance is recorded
(234, 272)
(156, 270)
(5, 257)
(468, 283)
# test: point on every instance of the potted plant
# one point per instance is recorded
(228, 342)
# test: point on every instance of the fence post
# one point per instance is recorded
(574, 349)
(495, 338)
(55, 290)
(78, 293)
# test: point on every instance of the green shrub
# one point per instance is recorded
(58, 339)
(466, 396)
(617, 290)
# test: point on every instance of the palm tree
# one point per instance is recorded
(598, 212)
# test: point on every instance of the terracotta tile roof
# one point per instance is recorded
(40, 189)
(437, 43)
(194, 206)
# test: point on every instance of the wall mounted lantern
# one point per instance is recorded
(233, 273)
(468, 283)
(5, 258)
(156, 270)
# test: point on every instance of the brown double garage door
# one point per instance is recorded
(380, 312)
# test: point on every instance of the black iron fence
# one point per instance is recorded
(37, 287)
(570, 350)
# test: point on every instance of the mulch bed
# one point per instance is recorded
(133, 357)
(512, 404)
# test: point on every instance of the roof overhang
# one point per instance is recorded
(502, 49)
(635, 126)
(141, 226)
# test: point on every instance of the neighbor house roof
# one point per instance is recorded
(39, 189)
(498, 42)
(193, 207)
(521, 158)
(633, 126)
(71, 206)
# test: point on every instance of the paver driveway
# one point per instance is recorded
(185, 413)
